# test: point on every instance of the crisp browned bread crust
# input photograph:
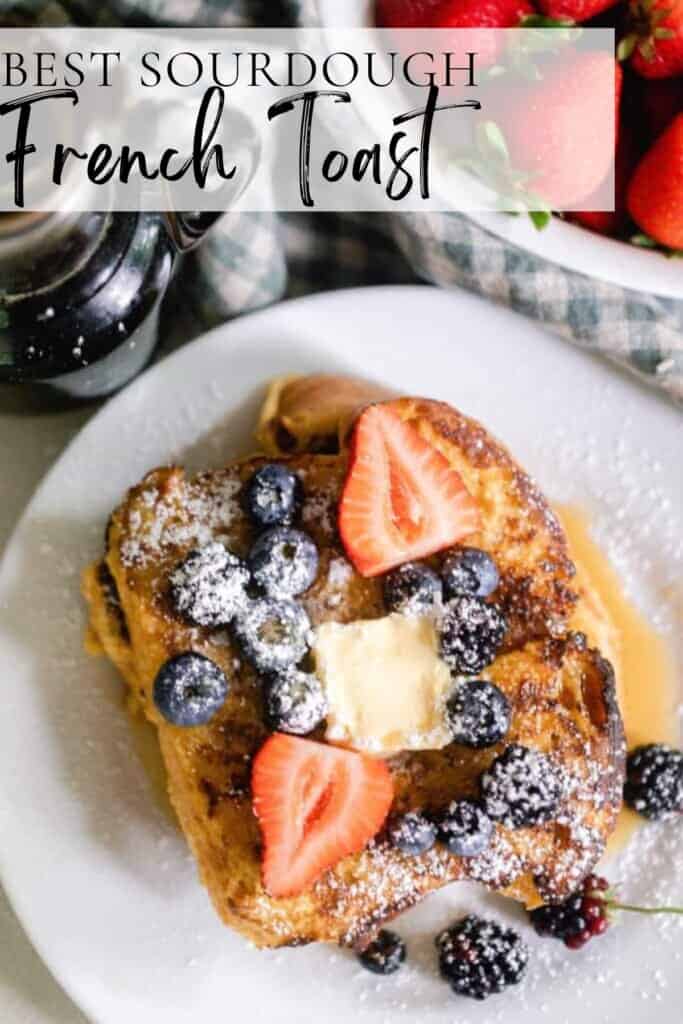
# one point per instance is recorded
(562, 693)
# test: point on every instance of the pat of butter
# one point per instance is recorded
(385, 683)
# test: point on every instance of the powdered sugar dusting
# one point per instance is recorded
(209, 587)
(339, 572)
(201, 515)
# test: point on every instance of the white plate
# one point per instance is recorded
(93, 864)
(571, 246)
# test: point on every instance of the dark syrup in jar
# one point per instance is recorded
(79, 300)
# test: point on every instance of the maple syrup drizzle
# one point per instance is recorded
(641, 658)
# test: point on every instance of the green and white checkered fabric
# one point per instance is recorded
(251, 260)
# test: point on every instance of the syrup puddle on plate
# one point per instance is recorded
(642, 661)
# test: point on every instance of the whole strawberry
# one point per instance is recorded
(405, 13)
(655, 194)
(655, 38)
(479, 13)
(484, 14)
(613, 222)
(574, 10)
(458, 14)
(556, 128)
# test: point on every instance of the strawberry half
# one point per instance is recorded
(402, 500)
(315, 804)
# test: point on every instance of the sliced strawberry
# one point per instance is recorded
(402, 500)
(315, 805)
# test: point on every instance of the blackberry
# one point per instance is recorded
(274, 635)
(654, 781)
(385, 954)
(209, 587)
(189, 689)
(586, 914)
(578, 919)
(522, 787)
(563, 921)
(480, 958)
(478, 714)
(295, 702)
(471, 633)
(465, 828)
(273, 496)
(412, 833)
(412, 589)
(284, 562)
(469, 571)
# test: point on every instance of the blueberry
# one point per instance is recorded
(523, 787)
(273, 496)
(478, 714)
(189, 689)
(295, 702)
(412, 589)
(471, 572)
(284, 562)
(471, 633)
(465, 828)
(209, 587)
(385, 955)
(412, 834)
(274, 635)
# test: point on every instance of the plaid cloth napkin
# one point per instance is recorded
(251, 260)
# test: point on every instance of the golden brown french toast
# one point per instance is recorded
(562, 694)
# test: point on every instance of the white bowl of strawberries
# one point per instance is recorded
(636, 245)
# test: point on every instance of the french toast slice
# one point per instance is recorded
(562, 693)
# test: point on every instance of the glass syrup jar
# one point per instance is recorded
(80, 296)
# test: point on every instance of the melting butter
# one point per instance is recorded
(385, 683)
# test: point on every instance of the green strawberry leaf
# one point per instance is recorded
(626, 46)
(542, 21)
(540, 218)
(491, 142)
(643, 241)
(489, 161)
(524, 49)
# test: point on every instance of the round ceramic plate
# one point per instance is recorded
(571, 246)
(89, 853)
